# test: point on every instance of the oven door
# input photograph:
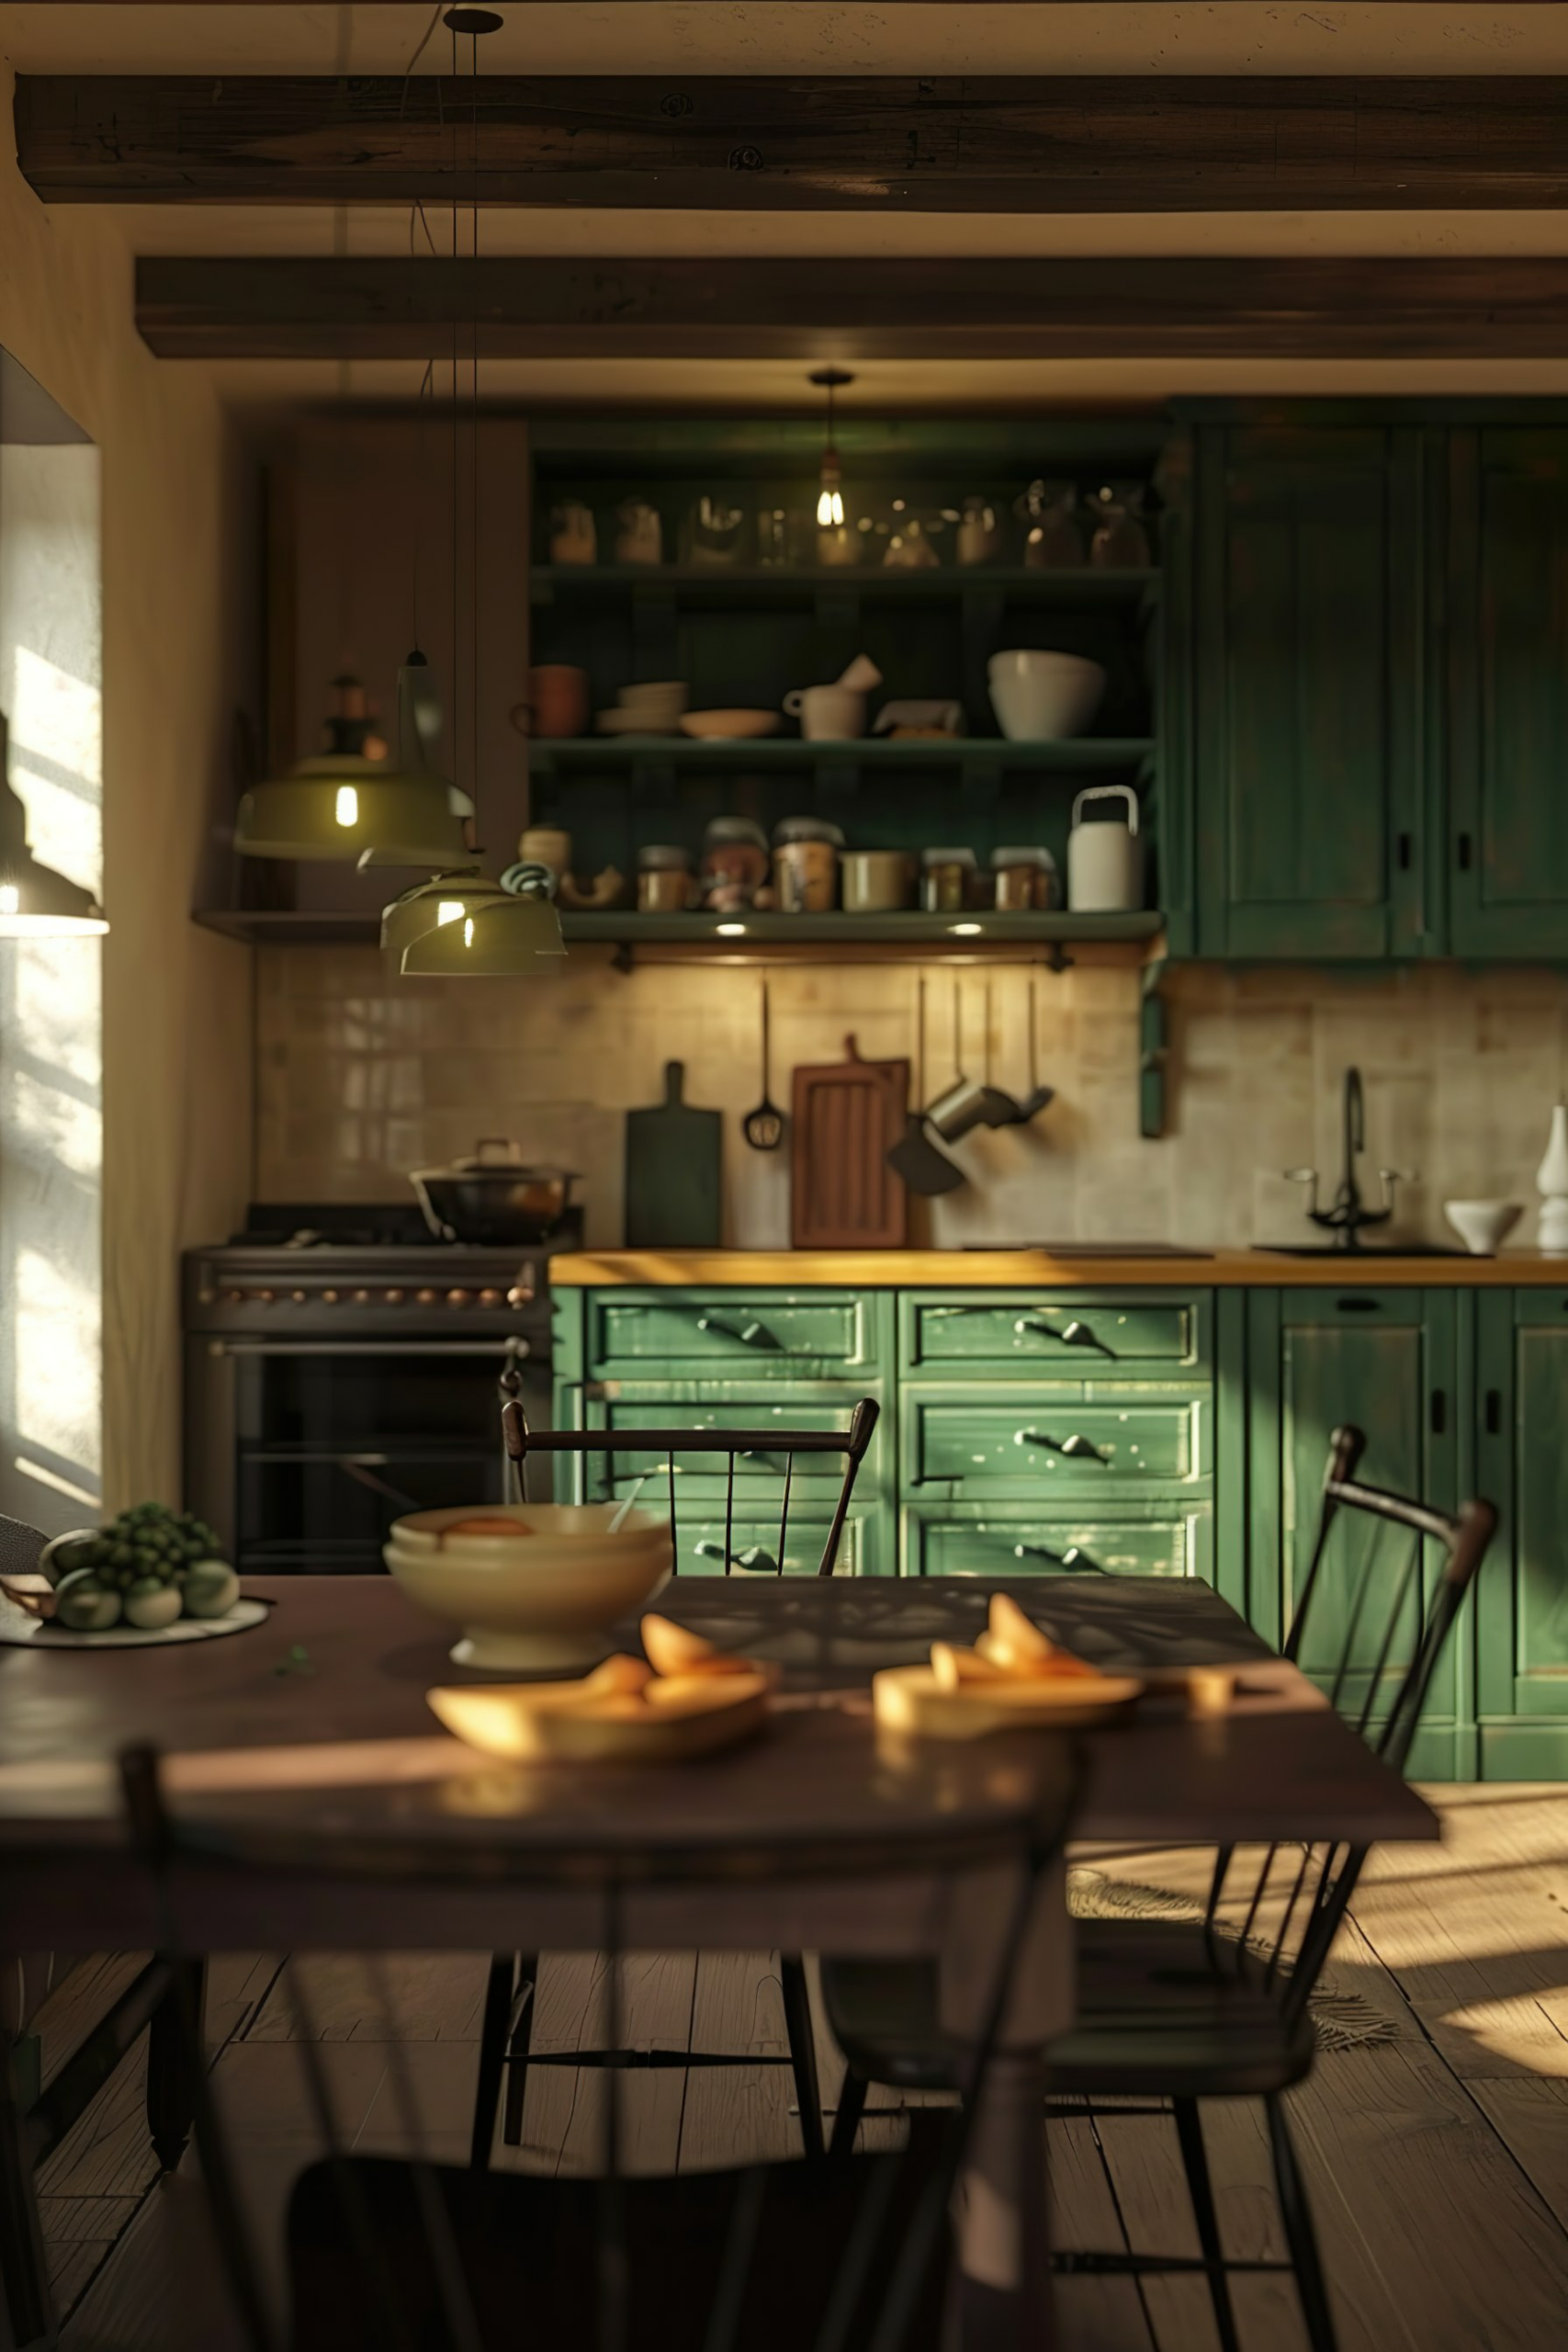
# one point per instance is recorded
(304, 1452)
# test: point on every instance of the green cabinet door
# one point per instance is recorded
(1388, 1363)
(1522, 1464)
(1308, 593)
(1505, 852)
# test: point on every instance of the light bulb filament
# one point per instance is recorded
(346, 809)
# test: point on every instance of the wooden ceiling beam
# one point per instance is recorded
(955, 306)
(1086, 143)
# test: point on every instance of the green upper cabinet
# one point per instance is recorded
(1506, 852)
(1306, 703)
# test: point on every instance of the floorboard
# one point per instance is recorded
(1437, 2160)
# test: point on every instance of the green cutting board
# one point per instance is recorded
(672, 1172)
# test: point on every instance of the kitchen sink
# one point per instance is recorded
(1366, 1249)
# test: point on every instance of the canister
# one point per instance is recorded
(1105, 860)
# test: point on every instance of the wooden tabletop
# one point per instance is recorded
(1039, 1269)
(346, 1726)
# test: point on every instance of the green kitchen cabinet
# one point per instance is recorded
(1305, 708)
(1504, 852)
(1012, 1540)
(1388, 1361)
(1521, 1464)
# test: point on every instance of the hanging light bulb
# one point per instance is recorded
(35, 901)
(831, 480)
(343, 805)
(463, 926)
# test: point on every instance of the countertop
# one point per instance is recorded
(1038, 1269)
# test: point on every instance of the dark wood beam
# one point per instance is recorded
(1014, 307)
(1059, 144)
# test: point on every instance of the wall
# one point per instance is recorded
(362, 1075)
(176, 561)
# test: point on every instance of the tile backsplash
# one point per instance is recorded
(362, 1074)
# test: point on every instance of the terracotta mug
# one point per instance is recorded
(557, 703)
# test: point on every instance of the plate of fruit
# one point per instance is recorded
(151, 1575)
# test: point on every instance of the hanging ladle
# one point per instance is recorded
(1038, 1096)
(764, 1128)
(914, 1156)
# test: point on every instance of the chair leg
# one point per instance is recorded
(1195, 2163)
(523, 2000)
(802, 2052)
(846, 2122)
(492, 2058)
(1300, 2234)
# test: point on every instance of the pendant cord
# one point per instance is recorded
(474, 444)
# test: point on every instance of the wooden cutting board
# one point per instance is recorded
(672, 1172)
(847, 1117)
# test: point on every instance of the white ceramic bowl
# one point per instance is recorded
(1042, 697)
(542, 1601)
(1483, 1226)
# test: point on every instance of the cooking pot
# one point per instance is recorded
(493, 1199)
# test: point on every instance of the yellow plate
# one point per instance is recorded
(532, 1722)
(910, 1699)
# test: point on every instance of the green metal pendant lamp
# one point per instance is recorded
(343, 806)
(35, 901)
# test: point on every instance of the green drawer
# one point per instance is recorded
(865, 1548)
(997, 1543)
(1020, 1440)
(758, 1334)
(1165, 1334)
(730, 1404)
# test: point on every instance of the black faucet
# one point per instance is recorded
(1348, 1216)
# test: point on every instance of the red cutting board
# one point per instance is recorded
(846, 1118)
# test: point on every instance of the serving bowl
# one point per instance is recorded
(1483, 1226)
(1043, 697)
(730, 726)
(544, 1600)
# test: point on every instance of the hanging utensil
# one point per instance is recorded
(764, 1128)
(915, 1158)
(969, 1101)
(1038, 1096)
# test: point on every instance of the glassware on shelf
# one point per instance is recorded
(1053, 540)
(573, 538)
(777, 539)
(1120, 543)
(714, 531)
(838, 544)
(911, 545)
(980, 532)
(664, 879)
(640, 536)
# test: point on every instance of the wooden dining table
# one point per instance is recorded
(317, 1719)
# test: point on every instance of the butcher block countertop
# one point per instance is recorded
(1037, 1269)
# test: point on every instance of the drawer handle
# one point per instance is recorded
(1071, 1558)
(754, 1557)
(1071, 1335)
(1076, 1448)
(1494, 1412)
(751, 1335)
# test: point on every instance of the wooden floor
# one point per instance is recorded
(1437, 2160)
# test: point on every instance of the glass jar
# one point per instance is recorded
(945, 879)
(1120, 543)
(1053, 540)
(663, 879)
(713, 530)
(980, 532)
(806, 864)
(573, 538)
(735, 864)
(777, 544)
(1026, 880)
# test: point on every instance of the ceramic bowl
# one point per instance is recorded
(1483, 1226)
(542, 1602)
(1041, 697)
(730, 726)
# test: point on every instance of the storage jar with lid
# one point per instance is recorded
(663, 879)
(945, 879)
(806, 864)
(1026, 880)
(735, 864)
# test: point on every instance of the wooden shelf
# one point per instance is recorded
(1080, 756)
(718, 583)
(749, 935)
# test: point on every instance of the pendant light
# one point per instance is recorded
(459, 924)
(345, 805)
(35, 901)
(831, 480)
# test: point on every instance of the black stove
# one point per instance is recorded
(342, 1367)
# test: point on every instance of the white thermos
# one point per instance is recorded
(1105, 860)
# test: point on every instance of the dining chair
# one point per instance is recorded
(405, 2253)
(750, 1459)
(1176, 2012)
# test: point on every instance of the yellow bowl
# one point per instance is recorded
(545, 1601)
